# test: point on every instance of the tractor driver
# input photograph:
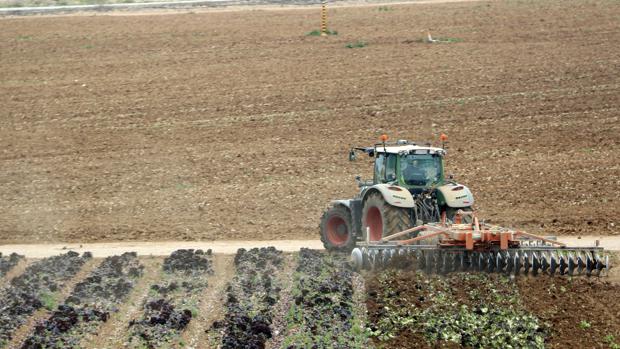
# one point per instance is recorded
(414, 173)
(420, 171)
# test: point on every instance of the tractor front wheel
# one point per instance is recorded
(336, 229)
(381, 219)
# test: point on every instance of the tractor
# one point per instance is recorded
(411, 211)
(409, 188)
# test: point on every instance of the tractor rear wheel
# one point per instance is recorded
(336, 229)
(383, 219)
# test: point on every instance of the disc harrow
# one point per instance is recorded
(552, 261)
(479, 247)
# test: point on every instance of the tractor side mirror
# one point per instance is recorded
(450, 176)
(359, 182)
(352, 155)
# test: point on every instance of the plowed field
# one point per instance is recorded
(264, 298)
(235, 125)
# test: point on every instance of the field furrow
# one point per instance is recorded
(250, 298)
(89, 305)
(37, 287)
(114, 333)
(173, 301)
(7, 263)
(212, 303)
(323, 312)
(51, 303)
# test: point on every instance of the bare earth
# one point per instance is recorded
(235, 125)
(165, 248)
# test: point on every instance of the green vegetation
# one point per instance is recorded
(488, 315)
(611, 341)
(357, 44)
(49, 301)
(584, 325)
(323, 312)
(385, 8)
(317, 32)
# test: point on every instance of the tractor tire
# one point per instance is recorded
(382, 218)
(337, 229)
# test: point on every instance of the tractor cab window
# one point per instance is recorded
(385, 168)
(379, 168)
(421, 169)
(390, 168)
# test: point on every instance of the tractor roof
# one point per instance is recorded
(409, 148)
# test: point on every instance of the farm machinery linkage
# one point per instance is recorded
(410, 214)
(475, 246)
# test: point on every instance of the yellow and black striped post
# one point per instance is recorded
(323, 17)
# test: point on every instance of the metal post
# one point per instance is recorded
(323, 17)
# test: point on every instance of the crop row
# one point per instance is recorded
(173, 301)
(323, 312)
(34, 289)
(9, 262)
(89, 304)
(250, 299)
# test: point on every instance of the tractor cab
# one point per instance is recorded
(406, 164)
(410, 166)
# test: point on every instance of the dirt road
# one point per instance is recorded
(164, 248)
(115, 7)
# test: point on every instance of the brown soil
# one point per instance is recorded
(573, 312)
(581, 312)
(15, 271)
(235, 125)
(410, 294)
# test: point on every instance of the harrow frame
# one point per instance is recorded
(482, 247)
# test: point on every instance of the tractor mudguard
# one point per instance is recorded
(454, 195)
(393, 195)
(345, 203)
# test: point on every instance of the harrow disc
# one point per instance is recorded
(553, 263)
(519, 261)
(544, 262)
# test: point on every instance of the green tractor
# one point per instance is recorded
(409, 188)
